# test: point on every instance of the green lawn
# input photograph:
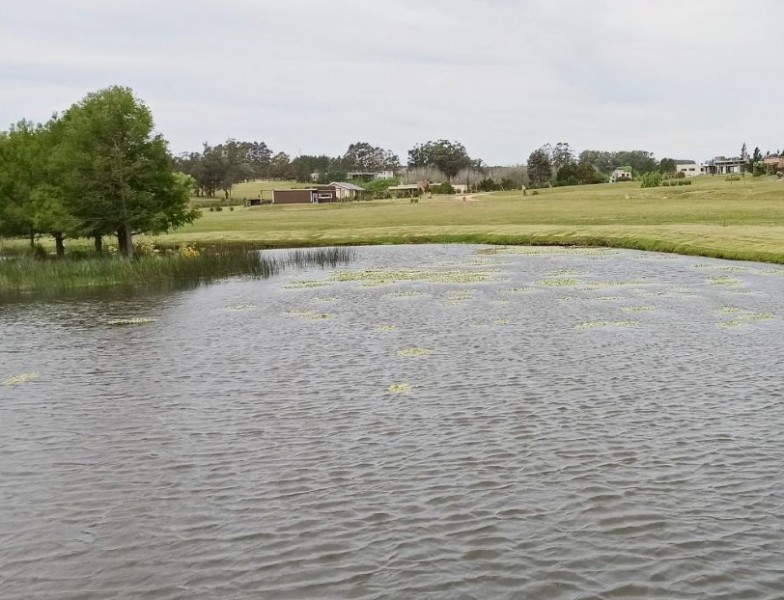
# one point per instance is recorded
(712, 217)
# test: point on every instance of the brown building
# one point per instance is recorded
(305, 196)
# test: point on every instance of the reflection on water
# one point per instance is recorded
(553, 424)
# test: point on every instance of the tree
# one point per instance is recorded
(561, 155)
(20, 157)
(117, 175)
(447, 156)
(280, 166)
(667, 166)
(364, 157)
(540, 170)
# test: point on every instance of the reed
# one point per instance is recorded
(190, 266)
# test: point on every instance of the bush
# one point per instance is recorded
(676, 182)
(651, 179)
(732, 178)
(441, 188)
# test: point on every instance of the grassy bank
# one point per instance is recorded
(713, 217)
(26, 275)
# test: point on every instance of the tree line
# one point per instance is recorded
(94, 170)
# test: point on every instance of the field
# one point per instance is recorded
(712, 217)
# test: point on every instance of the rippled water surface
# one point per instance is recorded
(427, 422)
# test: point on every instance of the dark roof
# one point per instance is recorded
(684, 162)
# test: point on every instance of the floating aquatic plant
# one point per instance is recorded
(595, 324)
(723, 280)
(309, 314)
(324, 299)
(730, 309)
(746, 319)
(557, 282)
(406, 295)
(386, 328)
(19, 379)
(408, 352)
(400, 388)
(501, 322)
(518, 290)
(607, 298)
(380, 276)
(546, 251)
(305, 284)
(239, 307)
(563, 272)
(131, 321)
(637, 309)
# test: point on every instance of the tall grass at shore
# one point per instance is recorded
(188, 267)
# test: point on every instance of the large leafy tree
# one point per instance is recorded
(447, 156)
(540, 169)
(117, 175)
(20, 155)
(362, 156)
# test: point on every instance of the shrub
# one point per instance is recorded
(651, 179)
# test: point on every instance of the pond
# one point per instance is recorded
(425, 422)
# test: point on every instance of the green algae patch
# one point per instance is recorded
(239, 307)
(410, 352)
(600, 324)
(637, 309)
(724, 281)
(130, 322)
(382, 276)
(310, 315)
(558, 282)
(399, 388)
(305, 284)
(19, 379)
(746, 320)
(386, 328)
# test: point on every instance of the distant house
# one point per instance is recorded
(346, 191)
(621, 174)
(689, 168)
(305, 196)
(369, 175)
(776, 162)
(407, 190)
(721, 165)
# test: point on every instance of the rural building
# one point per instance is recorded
(721, 165)
(777, 162)
(347, 191)
(304, 196)
(405, 191)
(689, 168)
(621, 174)
(369, 175)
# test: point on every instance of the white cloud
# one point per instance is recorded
(687, 79)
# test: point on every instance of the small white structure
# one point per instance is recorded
(346, 191)
(621, 174)
(689, 168)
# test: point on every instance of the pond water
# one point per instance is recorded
(426, 422)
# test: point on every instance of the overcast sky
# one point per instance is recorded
(686, 79)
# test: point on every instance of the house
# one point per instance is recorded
(721, 165)
(407, 190)
(689, 168)
(369, 175)
(347, 191)
(621, 174)
(304, 196)
(774, 162)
